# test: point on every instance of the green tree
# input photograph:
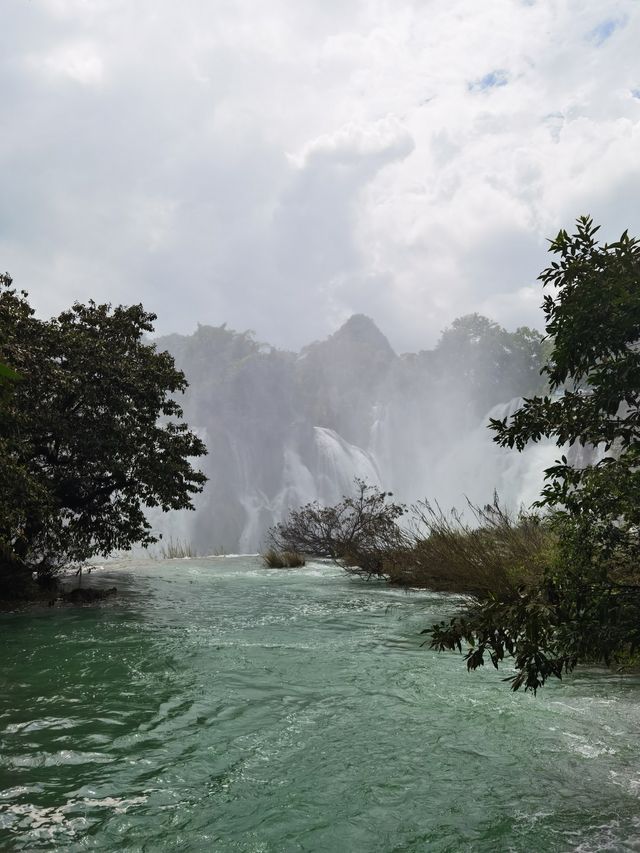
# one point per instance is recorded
(587, 604)
(88, 434)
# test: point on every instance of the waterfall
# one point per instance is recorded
(339, 463)
(403, 454)
(284, 429)
(325, 478)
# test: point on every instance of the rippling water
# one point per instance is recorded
(219, 706)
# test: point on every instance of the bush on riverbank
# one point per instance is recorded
(283, 559)
(490, 552)
(358, 533)
(18, 588)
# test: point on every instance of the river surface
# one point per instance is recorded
(218, 706)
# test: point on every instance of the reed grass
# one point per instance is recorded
(493, 552)
(176, 549)
(274, 559)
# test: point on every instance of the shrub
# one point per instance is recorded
(283, 559)
(493, 552)
(358, 532)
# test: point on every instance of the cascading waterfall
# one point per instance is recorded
(339, 463)
(285, 429)
(469, 467)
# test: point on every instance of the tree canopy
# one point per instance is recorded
(586, 606)
(89, 433)
(592, 314)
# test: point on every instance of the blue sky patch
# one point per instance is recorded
(605, 29)
(492, 80)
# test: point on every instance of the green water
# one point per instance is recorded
(217, 706)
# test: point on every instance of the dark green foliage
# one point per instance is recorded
(587, 605)
(519, 624)
(581, 610)
(89, 434)
(7, 374)
(594, 318)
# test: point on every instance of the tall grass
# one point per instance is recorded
(283, 559)
(175, 549)
(494, 552)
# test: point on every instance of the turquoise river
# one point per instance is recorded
(218, 706)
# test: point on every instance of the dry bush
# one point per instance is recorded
(356, 533)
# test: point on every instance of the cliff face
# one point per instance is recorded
(285, 428)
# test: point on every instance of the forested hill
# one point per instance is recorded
(283, 428)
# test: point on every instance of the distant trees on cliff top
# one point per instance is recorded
(490, 363)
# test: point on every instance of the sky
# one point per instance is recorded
(282, 164)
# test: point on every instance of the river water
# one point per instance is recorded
(218, 706)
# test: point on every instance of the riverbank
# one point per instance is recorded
(55, 591)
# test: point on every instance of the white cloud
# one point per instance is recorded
(386, 139)
(281, 165)
(76, 61)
